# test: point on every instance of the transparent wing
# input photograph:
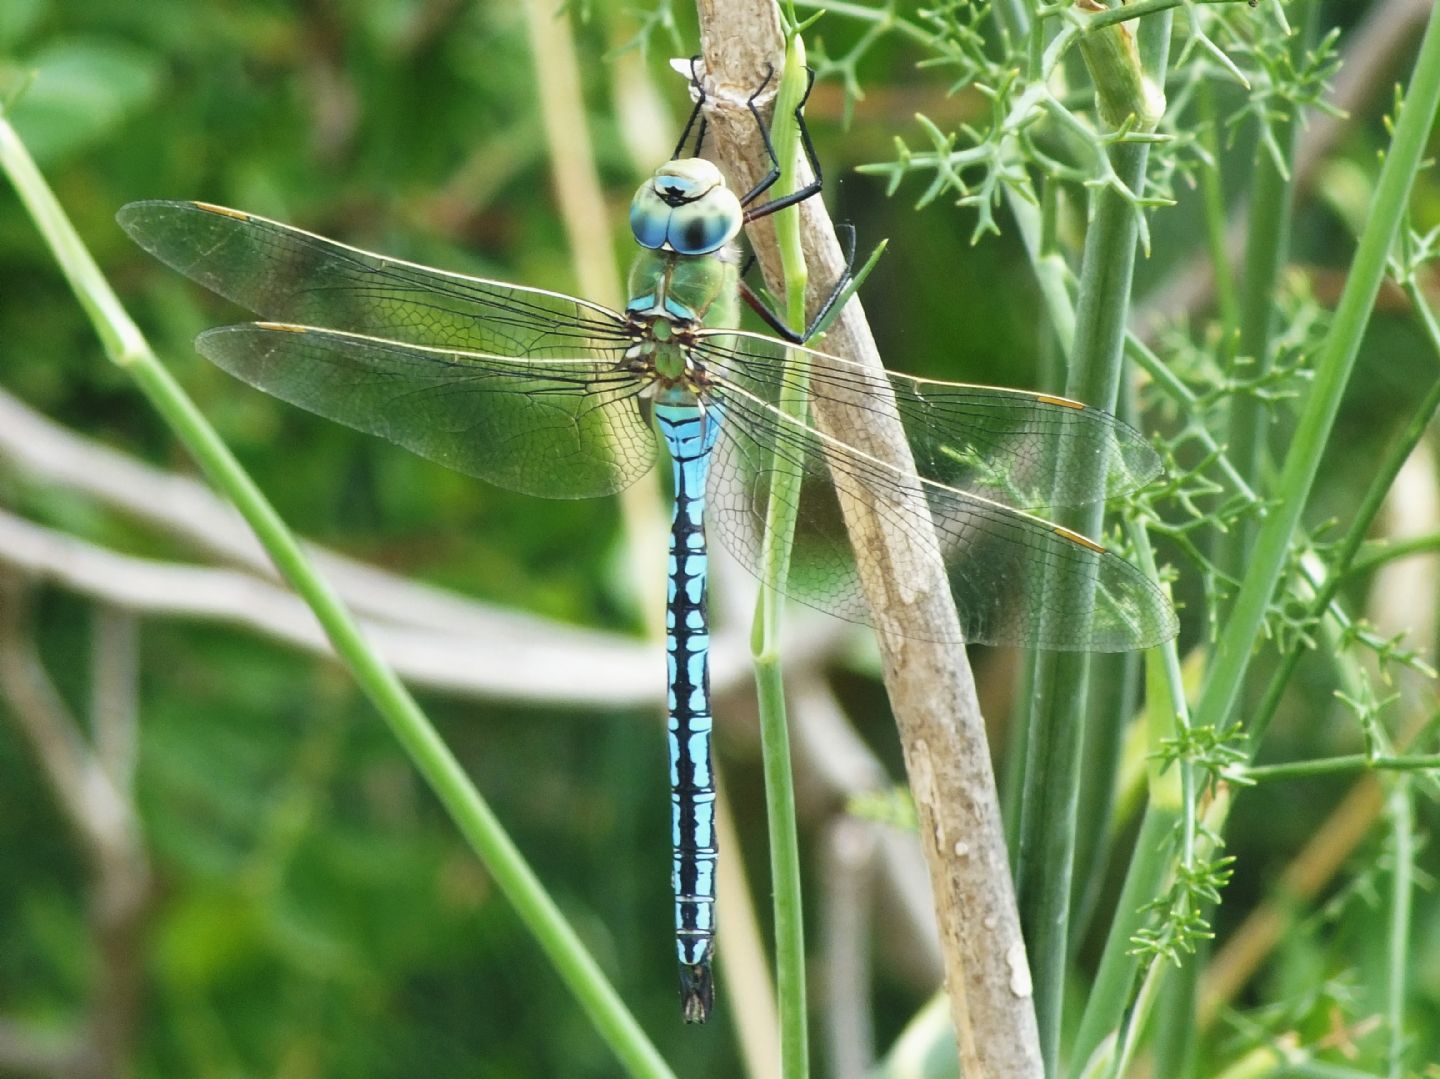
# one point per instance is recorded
(1016, 579)
(560, 428)
(1027, 450)
(289, 275)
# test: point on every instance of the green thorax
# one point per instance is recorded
(694, 290)
(672, 293)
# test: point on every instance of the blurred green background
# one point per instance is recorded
(314, 912)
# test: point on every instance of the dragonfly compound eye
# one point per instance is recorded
(705, 226)
(685, 207)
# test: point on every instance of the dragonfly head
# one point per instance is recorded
(686, 208)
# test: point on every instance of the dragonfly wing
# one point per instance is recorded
(1029, 450)
(560, 428)
(1016, 579)
(289, 275)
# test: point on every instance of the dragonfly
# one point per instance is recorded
(557, 396)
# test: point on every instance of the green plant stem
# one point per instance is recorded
(1171, 792)
(883, 16)
(1387, 551)
(1401, 810)
(1052, 772)
(1112, 703)
(1176, 1034)
(1144, 880)
(1013, 18)
(1137, 8)
(127, 347)
(1241, 632)
(1056, 739)
(1116, 682)
(785, 482)
(1350, 762)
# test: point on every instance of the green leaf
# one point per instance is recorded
(83, 90)
(17, 18)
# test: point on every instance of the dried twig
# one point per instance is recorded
(931, 688)
(96, 801)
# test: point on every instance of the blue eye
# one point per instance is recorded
(649, 219)
(698, 232)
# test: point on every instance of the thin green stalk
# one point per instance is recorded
(1112, 1029)
(1402, 890)
(1044, 866)
(127, 347)
(1137, 8)
(1013, 18)
(1387, 551)
(1047, 829)
(1267, 562)
(1341, 765)
(1176, 1033)
(1144, 880)
(884, 16)
(785, 479)
(1114, 700)
(1170, 813)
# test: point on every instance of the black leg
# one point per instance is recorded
(778, 324)
(771, 319)
(770, 177)
(768, 180)
(694, 113)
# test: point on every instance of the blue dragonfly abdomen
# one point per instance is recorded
(689, 432)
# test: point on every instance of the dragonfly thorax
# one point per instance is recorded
(663, 355)
(685, 207)
(685, 291)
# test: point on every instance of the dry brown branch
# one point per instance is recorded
(603, 671)
(849, 900)
(103, 817)
(931, 688)
(434, 638)
(832, 758)
(23, 1052)
(45, 452)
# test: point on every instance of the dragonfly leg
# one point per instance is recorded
(772, 318)
(694, 113)
(768, 180)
